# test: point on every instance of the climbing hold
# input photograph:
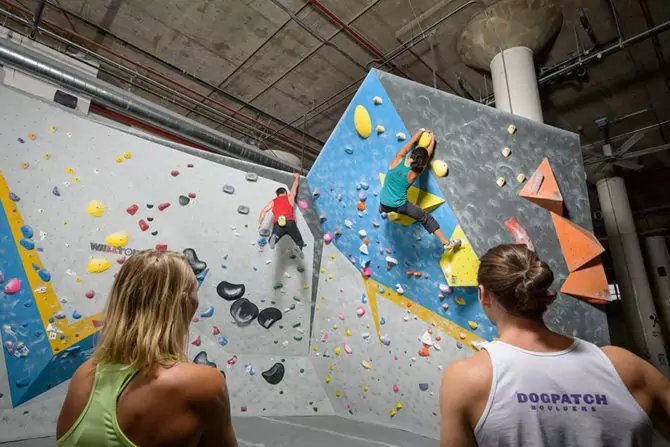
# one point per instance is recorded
(269, 316)
(385, 340)
(13, 286)
(13, 197)
(460, 301)
(44, 275)
(27, 244)
(399, 406)
(228, 189)
(119, 159)
(143, 225)
(76, 315)
(347, 332)
(380, 129)
(251, 176)
(275, 374)
(216, 330)
(347, 349)
(196, 264)
(231, 361)
(243, 209)
(302, 204)
(445, 306)
(338, 350)
(53, 129)
(24, 165)
(377, 100)
(401, 136)
(440, 168)
(362, 196)
(501, 182)
(364, 249)
(243, 311)
(323, 218)
(511, 129)
(424, 351)
(396, 388)
(59, 315)
(362, 121)
(366, 364)
(32, 136)
(96, 208)
(196, 341)
(520, 178)
(506, 152)
(132, 209)
(392, 413)
(154, 233)
(201, 359)
(173, 173)
(190, 165)
(349, 224)
(98, 265)
(207, 313)
(127, 155)
(360, 206)
(20, 140)
(328, 237)
(118, 239)
(183, 200)
(229, 291)
(360, 311)
(399, 289)
(423, 386)
(163, 206)
(90, 294)
(473, 324)
(223, 341)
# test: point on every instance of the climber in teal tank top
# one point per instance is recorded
(139, 389)
(407, 165)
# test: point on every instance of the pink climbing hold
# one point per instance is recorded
(302, 204)
(360, 311)
(328, 237)
(121, 260)
(90, 294)
(396, 388)
(132, 209)
(216, 330)
(341, 316)
(324, 337)
(164, 205)
(196, 341)
(195, 319)
(174, 173)
(143, 225)
(191, 195)
(243, 409)
(231, 361)
(366, 272)
(347, 349)
(13, 286)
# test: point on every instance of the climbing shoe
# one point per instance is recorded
(453, 244)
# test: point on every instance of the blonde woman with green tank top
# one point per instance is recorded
(139, 388)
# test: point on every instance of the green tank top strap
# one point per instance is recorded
(97, 424)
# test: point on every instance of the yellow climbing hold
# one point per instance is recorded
(77, 279)
(460, 301)
(338, 393)
(53, 129)
(315, 348)
(328, 379)
(47, 156)
(118, 239)
(347, 332)
(365, 389)
(362, 121)
(366, 364)
(98, 265)
(392, 413)
(473, 324)
(335, 327)
(305, 286)
(318, 308)
(399, 406)
(331, 367)
(127, 155)
(25, 165)
(119, 159)
(440, 168)
(69, 170)
(323, 270)
(96, 208)
(333, 257)
(330, 276)
(338, 351)
(75, 179)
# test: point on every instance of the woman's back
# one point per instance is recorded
(183, 405)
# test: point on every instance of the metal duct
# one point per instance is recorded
(50, 70)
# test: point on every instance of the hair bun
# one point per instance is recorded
(532, 290)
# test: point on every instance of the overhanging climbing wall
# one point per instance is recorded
(71, 190)
(381, 343)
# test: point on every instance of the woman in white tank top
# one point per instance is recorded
(537, 388)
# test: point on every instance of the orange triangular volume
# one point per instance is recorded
(589, 283)
(578, 245)
(542, 189)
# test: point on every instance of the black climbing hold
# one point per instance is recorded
(275, 374)
(150, 205)
(150, 219)
(243, 311)
(265, 232)
(154, 233)
(201, 359)
(269, 316)
(196, 264)
(229, 291)
(184, 200)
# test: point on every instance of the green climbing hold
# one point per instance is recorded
(292, 306)
(301, 269)
(302, 370)
(296, 324)
(278, 285)
(297, 337)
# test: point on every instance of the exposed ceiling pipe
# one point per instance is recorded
(37, 17)
(662, 64)
(50, 70)
(622, 136)
(154, 73)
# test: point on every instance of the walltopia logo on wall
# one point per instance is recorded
(125, 251)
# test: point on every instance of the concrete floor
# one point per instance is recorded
(322, 431)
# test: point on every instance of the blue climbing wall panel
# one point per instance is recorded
(350, 165)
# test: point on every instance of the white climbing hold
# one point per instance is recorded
(444, 288)
(364, 249)
(399, 289)
(427, 339)
(362, 233)
(392, 261)
(520, 178)
(506, 152)
(380, 129)
(511, 129)
(477, 345)
(377, 100)
(366, 364)
(365, 335)
(406, 318)
(347, 223)
(501, 182)
(437, 347)
(401, 136)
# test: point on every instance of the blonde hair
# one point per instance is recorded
(148, 311)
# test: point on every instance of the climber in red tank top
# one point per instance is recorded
(283, 220)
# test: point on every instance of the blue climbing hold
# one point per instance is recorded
(51, 320)
(56, 191)
(28, 303)
(423, 386)
(381, 289)
(27, 231)
(207, 313)
(44, 275)
(72, 349)
(13, 197)
(23, 382)
(60, 315)
(76, 315)
(382, 321)
(36, 267)
(223, 341)
(364, 298)
(27, 244)
(349, 150)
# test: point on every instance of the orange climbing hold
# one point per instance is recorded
(424, 351)
(542, 189)
(578, 245)
(361, 206)
(588, 283)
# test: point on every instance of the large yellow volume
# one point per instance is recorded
(362, 121)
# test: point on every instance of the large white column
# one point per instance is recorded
(515, 83)
(631, 276)
(658, 261)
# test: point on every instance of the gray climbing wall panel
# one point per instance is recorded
(88, 161)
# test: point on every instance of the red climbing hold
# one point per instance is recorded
(243, 409)
(164, 205)
(410, 273)
(97, 323)
(190, 165)
(174, 173)
(121, 260)
(132, 209)
(143, 225)
(191, 195)
(161, 247)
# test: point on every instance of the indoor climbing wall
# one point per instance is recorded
(393, 310)
(78, 198)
